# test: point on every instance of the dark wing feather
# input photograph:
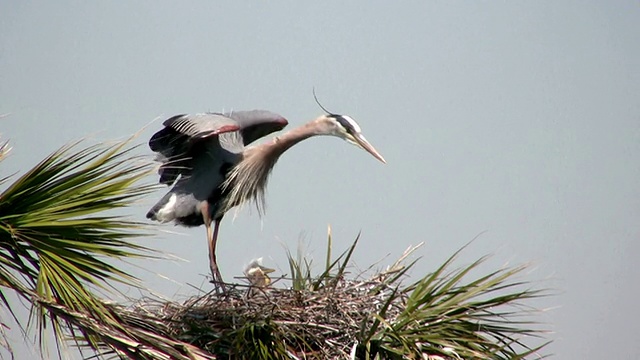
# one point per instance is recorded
(181, 139)
(253, 124)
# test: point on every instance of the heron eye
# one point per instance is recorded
(347, 123)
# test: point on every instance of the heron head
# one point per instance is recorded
(346, 128)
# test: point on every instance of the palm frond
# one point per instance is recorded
(445, 314)
(60, 229)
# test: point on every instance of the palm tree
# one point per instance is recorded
(61, 231)
(59, 234)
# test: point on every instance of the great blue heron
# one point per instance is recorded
(206, 159)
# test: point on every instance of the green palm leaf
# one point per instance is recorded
(60, 229)
(446, 314)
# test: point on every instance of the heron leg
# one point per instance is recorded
(213, 263)
(212, 238)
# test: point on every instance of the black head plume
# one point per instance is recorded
(318, 102)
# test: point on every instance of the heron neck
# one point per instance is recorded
(249, 177)
(287, 140)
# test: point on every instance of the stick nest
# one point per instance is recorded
(324, 323)
(441, 316)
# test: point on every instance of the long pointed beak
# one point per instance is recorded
(266, 270)
(367, 146)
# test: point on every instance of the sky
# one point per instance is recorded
(518, 121)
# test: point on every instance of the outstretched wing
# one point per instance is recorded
(255, 124)
(187, 137)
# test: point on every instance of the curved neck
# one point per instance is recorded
(248, 179)
(284, 142)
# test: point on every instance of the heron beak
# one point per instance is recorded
(266, 270)
(363, 143)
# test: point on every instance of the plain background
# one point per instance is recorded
(521, 119)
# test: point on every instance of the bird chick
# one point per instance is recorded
(257, 274)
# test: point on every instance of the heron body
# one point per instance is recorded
(206, 160)
(195, 152)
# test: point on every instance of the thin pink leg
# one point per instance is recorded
(212, 238)
(213, 263)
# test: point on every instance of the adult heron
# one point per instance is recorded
(206, 159)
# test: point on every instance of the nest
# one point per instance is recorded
(332, 317)
(322, 323)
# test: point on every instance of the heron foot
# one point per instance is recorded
(217, 281)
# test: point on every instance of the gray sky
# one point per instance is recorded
(522, 119)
